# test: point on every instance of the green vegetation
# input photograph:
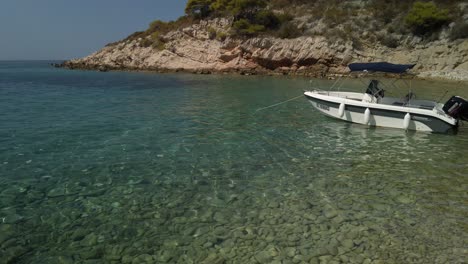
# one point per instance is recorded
(425, 17)
(212, 33)
(289, 30)
(388, 40)
(251, 17)
(362, 22)
(237, 8)
(198, 8)
(221, 36)
(246, 28)
(153, 35)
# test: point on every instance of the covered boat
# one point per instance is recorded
(373, 108)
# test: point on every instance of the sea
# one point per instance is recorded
(135, 167)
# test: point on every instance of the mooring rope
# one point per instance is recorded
(280, 103)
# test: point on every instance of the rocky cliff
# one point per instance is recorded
(194, 49)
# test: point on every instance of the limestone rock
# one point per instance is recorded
(192, 49)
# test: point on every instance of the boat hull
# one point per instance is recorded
(372, 114)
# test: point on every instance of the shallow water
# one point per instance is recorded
(145, 168)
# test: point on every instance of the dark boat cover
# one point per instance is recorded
(380, 67)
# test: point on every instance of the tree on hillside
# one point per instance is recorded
(237, 8)
(246, 8)
(221, 5)
(425, 18)
(199, 8)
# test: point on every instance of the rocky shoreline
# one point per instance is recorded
(195, 50)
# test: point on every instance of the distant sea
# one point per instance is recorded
(126, 167)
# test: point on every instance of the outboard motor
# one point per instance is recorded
(457, 108)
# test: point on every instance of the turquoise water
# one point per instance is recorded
(144, 168)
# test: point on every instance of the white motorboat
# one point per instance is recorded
(373, 108)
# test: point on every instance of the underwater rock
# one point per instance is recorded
(329, 212)
(404, 199)
(263, 257)
(338, 220)
(325, 259)
(164, 256)
(10, 255)
(314, 260)
(298, 259)
(171, 243)
(213, 259)
(127, 259)
(6, 232)
(273, 204)
(114, 253)
(348, 244)
(219, 217)
(276, 261)
(57, 192)
(143, 258)
(90, 240)
(91, 253)
(55, 260)
(11, 219)
(201, 231)
(33, 196)
(290, 251)
(294, 238)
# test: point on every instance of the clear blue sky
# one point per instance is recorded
(64, 29)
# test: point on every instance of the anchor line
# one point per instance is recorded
(280, 103)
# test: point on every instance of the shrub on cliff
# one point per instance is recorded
(221, 36)
(212, 33)
(243, 27)
(146, 42)
(237, 8)
(164, 27)
(246, 8)
(335, 15)
(250, 16)
(459, 30)
(158, 42)
(289, 30)
(425, 17)
(388, 40)
(268, 19)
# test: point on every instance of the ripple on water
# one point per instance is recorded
(135, 168)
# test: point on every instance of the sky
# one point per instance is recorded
(66, 29)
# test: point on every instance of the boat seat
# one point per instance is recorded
(369, 98)
(374, 90)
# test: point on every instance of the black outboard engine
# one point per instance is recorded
(457, 108)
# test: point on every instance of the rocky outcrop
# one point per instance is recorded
(194, 49)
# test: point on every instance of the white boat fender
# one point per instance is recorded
(367, 116)
(341, 110)
(406, 121)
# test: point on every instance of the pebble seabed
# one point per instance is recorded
(221, 215)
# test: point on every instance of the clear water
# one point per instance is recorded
(144, 168)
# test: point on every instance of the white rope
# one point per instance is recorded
(280, 103)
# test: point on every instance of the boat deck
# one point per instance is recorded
(360, 97)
